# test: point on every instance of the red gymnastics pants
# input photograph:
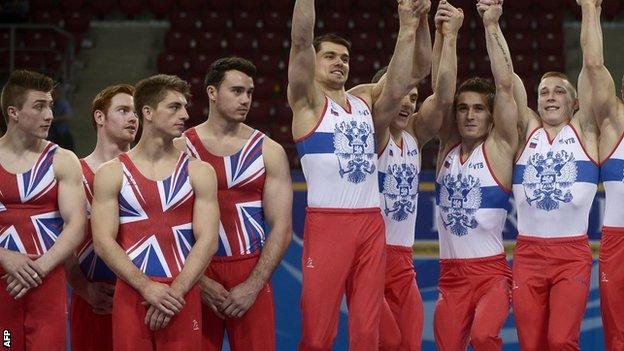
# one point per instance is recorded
(550, 288)
(401, 323)
(612, 287)
(473, 303)
(130, 333)
(343, 252)
(37, 321)
(89, 331)
(255, 330)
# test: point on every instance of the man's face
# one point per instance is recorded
(170, 114)
(35, 116)
(474, 119)
(121, 123)
(408, 107)
(234, 96)
(332, 64)
(555, 102)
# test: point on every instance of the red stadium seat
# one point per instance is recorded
(464, 42)
(574, 8)
(549, 63)
(369, 5)
(171, 64)
(365, 42)
(283, 113)
(550, 20)
(365, 65)
(611, 8)
(200, 64)
(184, 21)
(550, 43)
(197, 111)
(215, 20)
(209, 42)
(366, 21)
(220, 5)
(260, 112)
(519, 21)
(250, 5)
(271, 42)
(39, 39)
(247, 20)
(71, 5)
(465, 63)
(190, 5)
(264, 88)
(42, 5)
(391, 21)
(267, 64)
(29, 60)
(276, 21)
(336, 22)
(521, 42)
(388, 40)
(131, 8)
(281, 133)
(5, 39)
(178, 42)
(101, 8)
(241, 43)
(160, 8)
(551, 5)
(77, 22)
(282, 5)
(518, 5)
(523, 65)
(342, 5)
(197, 86)
(53, 17)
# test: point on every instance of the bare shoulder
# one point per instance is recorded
(180, 143)
(364, 92)
(201, 173)
(65, 163)
(273, 153)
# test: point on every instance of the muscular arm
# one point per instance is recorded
(422, 50)
(105, 226)
(303, 95)
(277, 204)
(72, 206)
(205, 226)
(397, 83)
(504, 132)
(599, 98)
(439, 105)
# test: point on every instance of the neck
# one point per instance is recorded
(105, 150)
(154, 146)
(337, 94)
(396, 135)
(553, 130)
(20, 142)
(219, 126)
(468, 145)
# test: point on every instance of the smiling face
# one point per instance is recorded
(332, 64)
(233, 97)
(408, 107)
(556, 101)
(35, 116)
(474, 119)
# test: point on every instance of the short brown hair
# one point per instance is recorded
(102, 100)
(16, 88)
(379, 74)
(478, 85)
(562, 76)
(150, 91)
(216, 71)
(332, 38)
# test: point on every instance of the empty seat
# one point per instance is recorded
(244, 20)
(101, 8)
(160, 8)
(178, 42)
(77, 22)
(200, 63)
(282, 5)
(549, 63)
(215, 20)
(40, 39)
(276, 21)
(271, 42)
(264, 87)
(29, 60)
(519, 21)
(71, 5)
(53, 17)
(131, 8)
(366, 21)
(209, 42)
(282, 133)
(250, 5)
(190, 5)
(260, 112)
(184, 21)
(550, 20)
(169, 63)
(365, 42)
(521, 42)
(241, 43)
(550, 43)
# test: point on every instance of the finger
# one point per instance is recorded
(159, 321)
(166, 322)
(216, 311)
(172, 306)
(18, 276)
(33, 275)
(34, 265)
(21, 293)
(153, 321)
(165, 309)
(179, 299)
(148, 315)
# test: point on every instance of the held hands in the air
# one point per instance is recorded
(448, 19)
(490, 11)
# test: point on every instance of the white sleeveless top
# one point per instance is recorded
(338, 158)
(612, 176)
(554, 184)
(399, 167)
(471, 205)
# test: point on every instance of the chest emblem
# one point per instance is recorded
(547, 179)
(399, 190)
(354, 145)
(460, 198)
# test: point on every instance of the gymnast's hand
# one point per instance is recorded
(448, 19)
(490, 13)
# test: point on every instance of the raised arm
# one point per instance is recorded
(398, 84)
(303, 95)
(105, 225)
(505, 115)
(439, 105)
(277, 205)
(422, 49)
(600, 97)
